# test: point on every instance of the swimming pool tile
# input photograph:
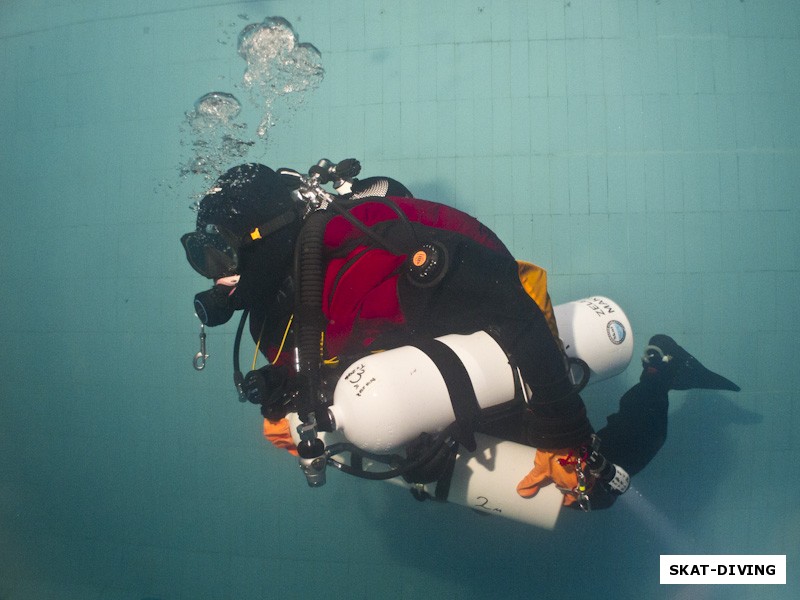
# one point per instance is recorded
(519, 141)
(617, 183)
(501, 78)
(612, 66)
(597, 183)
(556, 68)
(445, 72)
(537, 19)
(634, 124)
(427, 73)
(577, 129)
(632, 72)
(635, 185)
(500, 141)
(575, 66)
(615, 123)
(578, 185)
(652, 199)
(558, 188)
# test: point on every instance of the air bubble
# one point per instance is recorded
(278, 65)
(216, 136)
(218, 106)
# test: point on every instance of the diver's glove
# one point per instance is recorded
(552, 466)
(268, 387)
(279, 434)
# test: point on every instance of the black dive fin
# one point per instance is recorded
(688, 372)
(693, 375)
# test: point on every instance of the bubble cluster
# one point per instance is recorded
(277, 65)
(216, 136)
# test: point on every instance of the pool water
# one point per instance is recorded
(644, 150)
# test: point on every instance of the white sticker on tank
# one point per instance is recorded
(616, 332)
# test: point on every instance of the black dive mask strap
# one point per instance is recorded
(269, 227)
(214, 250)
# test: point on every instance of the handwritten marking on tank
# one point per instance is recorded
(600, 307)
(355, 378)
(355, 374)
(483, 503)
(364, 387)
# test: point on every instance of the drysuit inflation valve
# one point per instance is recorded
(428, 264)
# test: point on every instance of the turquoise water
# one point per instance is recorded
(642, 149)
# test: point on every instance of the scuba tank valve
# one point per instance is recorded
(311, 450)
(612, 477)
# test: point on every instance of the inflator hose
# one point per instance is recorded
(310, 321)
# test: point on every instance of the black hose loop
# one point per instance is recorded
(238, 378)
(398, 465)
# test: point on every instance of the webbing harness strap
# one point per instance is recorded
(459, 388)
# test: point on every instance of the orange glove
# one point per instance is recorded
(280, 435)
(552, 466)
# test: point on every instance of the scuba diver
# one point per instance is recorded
(328, 279)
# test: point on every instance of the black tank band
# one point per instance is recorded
(459, 388)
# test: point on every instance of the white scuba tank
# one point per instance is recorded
(597, 331)
(484, 480)
(385, 400)
(388, 399)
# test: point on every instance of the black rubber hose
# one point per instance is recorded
(344, 211)
(391, 460)
(308, 317)
(238, 378)
(309, 278)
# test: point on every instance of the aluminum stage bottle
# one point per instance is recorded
(385, 400)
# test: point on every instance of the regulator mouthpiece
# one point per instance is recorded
(213, 307)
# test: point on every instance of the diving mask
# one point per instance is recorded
(214, 252)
